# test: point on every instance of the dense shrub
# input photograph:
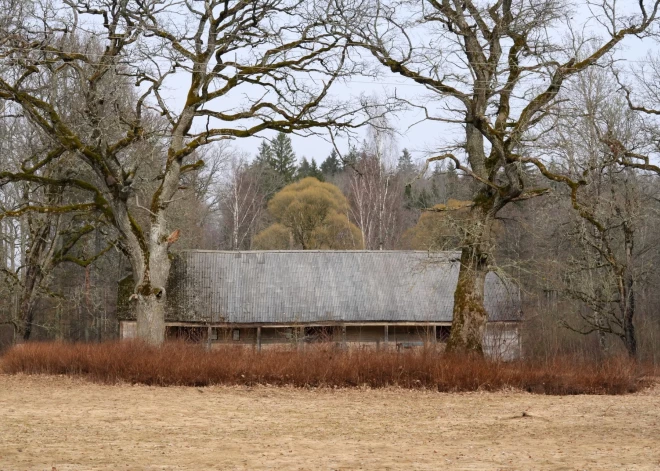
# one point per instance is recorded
(319, 366)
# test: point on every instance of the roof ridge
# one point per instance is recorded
(443, 252)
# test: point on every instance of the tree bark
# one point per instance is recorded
(628, 311)
(628, 293)
(152, 265)
(37, 263)
(26, 304)
(150, 315)
(150, 256)
(469, 314)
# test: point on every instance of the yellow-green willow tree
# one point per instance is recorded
(310, 215)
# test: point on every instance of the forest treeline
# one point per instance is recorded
(543, 166)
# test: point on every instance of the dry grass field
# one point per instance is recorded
(55, 422)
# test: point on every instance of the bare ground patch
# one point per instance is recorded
(70, 424)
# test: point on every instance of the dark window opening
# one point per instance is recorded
(319, 334)
(442, 333)
(186, 334)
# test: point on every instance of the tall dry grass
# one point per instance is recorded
(178, 364)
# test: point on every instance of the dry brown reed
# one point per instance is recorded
(179, 364)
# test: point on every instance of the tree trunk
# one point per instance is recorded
(36, 264)
(150, 256)
(150, 315)
(602, 337)
(469, 314)
(628, 311)
(26, 305)
(23, 328)
(630, 336)
(152, 270)
(628, 293)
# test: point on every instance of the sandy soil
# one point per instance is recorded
(59, 423)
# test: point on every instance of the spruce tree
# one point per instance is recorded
(315, 172)
(406, 165)
(304, 169)
(283, 157)
(351, 158)
(332, 165)
(424, 199)
(452, 180)
(265, 155)
(309, 169)
(436, 179)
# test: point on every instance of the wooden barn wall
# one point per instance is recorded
(502, 340)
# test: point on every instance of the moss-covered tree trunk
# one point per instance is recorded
(150, 296)
(38, 262)
(26, 304)
(470, 316)
(469, 313)
(151, 269)
(150, 255)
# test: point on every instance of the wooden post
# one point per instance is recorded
(208, 337)
(258, 339)
(300, 337)
(343, 336)
(435, 334)
(386, 335)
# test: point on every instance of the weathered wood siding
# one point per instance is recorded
(502, 340)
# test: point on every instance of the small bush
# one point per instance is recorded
(178, 364)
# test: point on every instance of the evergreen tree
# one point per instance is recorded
(265, 155)
(424, 199)
(332, 165)
(406, 165)
(451, 170)
(351, 158)
(438, 168)
(452, 180)
(435, 190)
(304, 169)
(436, 183)
(315, 171)
(283, 158)
(270, 181)
(408, 196)
(309, 169)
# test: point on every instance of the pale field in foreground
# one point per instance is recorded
(60, 423)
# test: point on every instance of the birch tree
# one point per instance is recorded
(243, 201)
(375, 190)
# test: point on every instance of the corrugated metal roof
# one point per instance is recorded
(321, 286)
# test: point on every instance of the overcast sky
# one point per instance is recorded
(420, 137)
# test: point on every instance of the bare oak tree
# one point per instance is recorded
(495, 69)
(603, 272)
(274, 52)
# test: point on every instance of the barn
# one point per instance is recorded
(382, 299)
